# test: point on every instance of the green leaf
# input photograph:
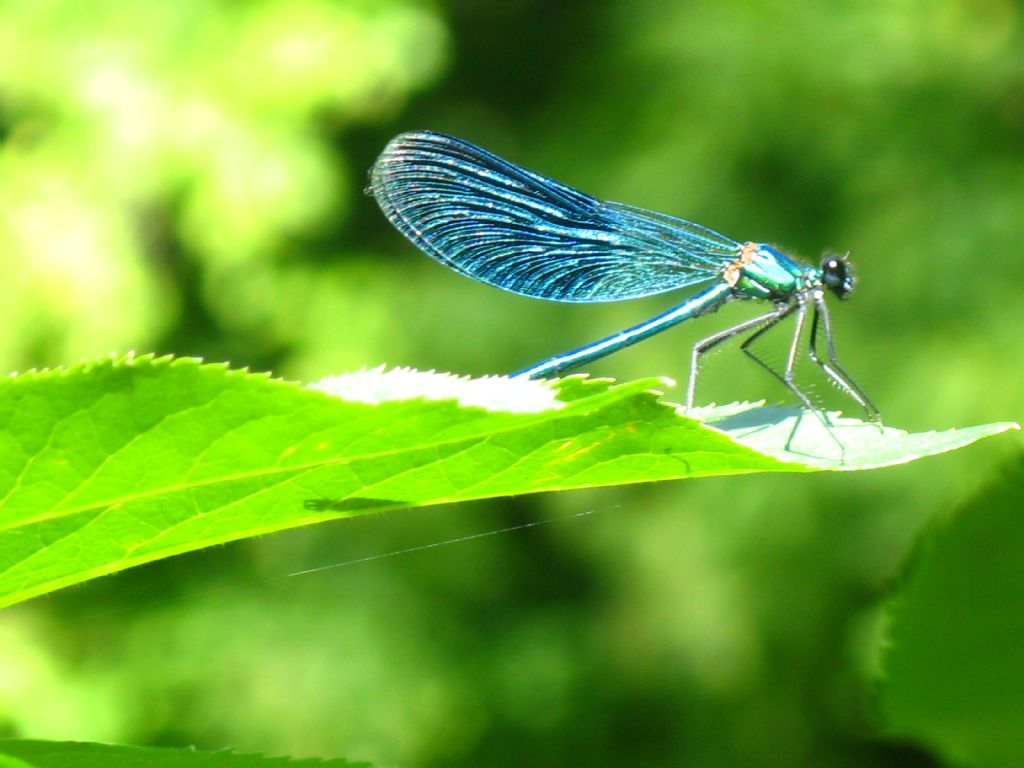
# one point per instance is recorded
(954, 662)
(117, 463)
(71, 754)
(793, 434)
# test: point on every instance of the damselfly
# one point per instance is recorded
(510, 227)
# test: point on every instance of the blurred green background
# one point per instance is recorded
(186, 177)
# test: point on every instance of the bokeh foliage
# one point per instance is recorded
(162, 159)
(953, 670)
(186, 177)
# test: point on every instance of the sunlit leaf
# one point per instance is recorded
(118, 463)
(71, 754)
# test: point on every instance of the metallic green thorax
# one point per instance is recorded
(762, 272)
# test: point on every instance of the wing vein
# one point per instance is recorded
(518, 230)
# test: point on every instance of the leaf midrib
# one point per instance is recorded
(484, 433)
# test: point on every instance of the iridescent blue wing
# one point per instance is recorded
(526, 233)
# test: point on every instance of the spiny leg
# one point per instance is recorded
(705, 345)
(787, 377)
(832, 368)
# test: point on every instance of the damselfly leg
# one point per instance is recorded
(832, 368)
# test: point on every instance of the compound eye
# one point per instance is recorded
(837, 276)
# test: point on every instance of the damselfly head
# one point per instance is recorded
(837, 275)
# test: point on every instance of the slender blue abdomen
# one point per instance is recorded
(702, 303)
